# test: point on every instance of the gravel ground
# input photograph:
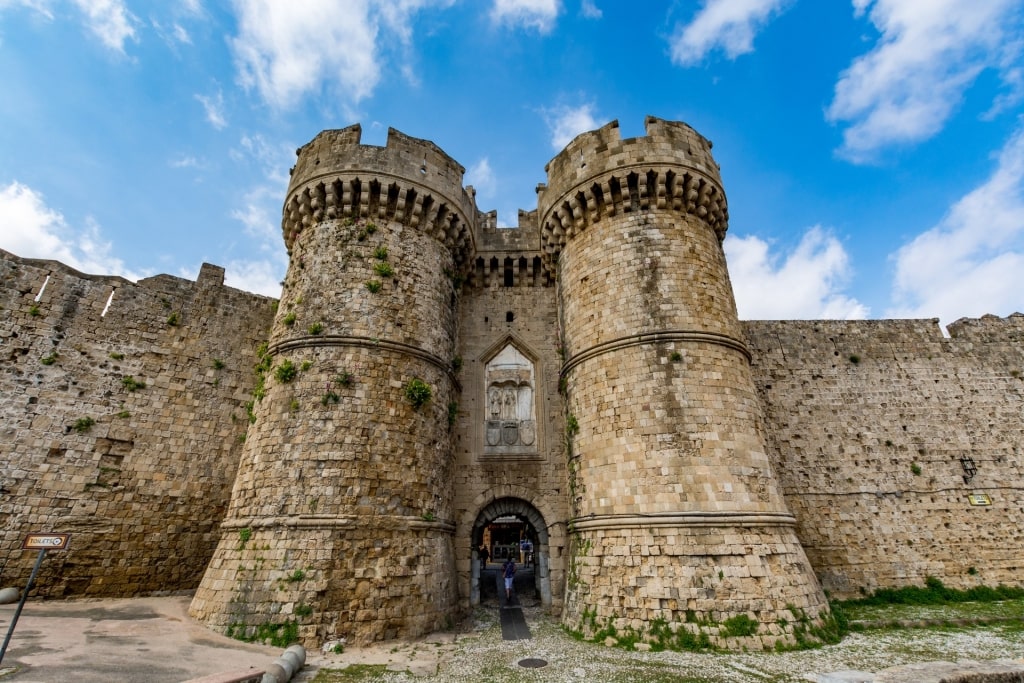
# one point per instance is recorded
(479, 654)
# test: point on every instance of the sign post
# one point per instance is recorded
(42, 542)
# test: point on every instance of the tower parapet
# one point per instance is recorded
(676, 510)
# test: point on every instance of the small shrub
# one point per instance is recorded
(173, 319)
(330, 397)
(306, 365)
(293, 407)
(303, 610)
(371, 228)
(132, 384)
(339, 648)
(49, 360)
(417, 392)
(453, 413)
(572, 425)
(289, 319)
(373, 285)
(383, 268)
(345, 379)
(285, 372)
(456, 363)
(315, 328)
(244, 535)
(84, 424)
(124, 414)
(218, 364)
(915, 468)
(116, 356)
(295, 576)
(739, 626)
(675, 357)
(33, 310)
(381, 253)
(854, 358)
(973, 571)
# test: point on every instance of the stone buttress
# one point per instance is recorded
(340, 522)
(679, 529)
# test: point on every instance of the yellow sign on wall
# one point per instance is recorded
(979, 499)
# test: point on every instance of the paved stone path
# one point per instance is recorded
(513, 624)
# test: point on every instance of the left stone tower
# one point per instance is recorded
(340, 522)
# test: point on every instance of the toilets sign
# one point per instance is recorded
(46, 541)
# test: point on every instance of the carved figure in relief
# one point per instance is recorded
(494, 396)
(509, 408)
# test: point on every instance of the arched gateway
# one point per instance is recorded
(537, 532)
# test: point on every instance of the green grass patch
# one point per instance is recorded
(354, 672)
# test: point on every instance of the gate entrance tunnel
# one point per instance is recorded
(510, 528)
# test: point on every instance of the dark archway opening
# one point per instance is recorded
(510, 527)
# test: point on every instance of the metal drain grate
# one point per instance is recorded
(532, 663)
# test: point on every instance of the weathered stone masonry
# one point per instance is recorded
(587, 374)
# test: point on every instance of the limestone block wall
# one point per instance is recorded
(509, 298)
(122, 409)
(881, 431)
(341, 517)
(675, 508)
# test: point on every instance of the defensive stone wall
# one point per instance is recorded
(886, 435)
(122, 410)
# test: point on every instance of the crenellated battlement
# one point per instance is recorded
(409, 180)
(600, 175)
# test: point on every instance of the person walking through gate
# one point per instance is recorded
(484, 556)
(509, 572)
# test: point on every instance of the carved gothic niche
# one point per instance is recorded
(510, 383)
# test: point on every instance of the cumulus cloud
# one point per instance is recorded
(531, 14)
(972, 262)
(565, 123)
(213, 105)
(40, 6)
(110, 21)
(287, 51)
(729, 25)
(929, 52)
(805, 284)
(481, 177)
(32, 229)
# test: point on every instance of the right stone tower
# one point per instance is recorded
(679, 530)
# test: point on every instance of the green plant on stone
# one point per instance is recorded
(289, 319)
(293, 407)
(173, 320)
(244, 535)
(33, 310)
(329, 397)
(306, 365)
(676, 357)
(218, 364)
(373, 286)
(739, 626)
(456, 363)
(572, 425)
(315, 328)
(286, 371)
(345, 379)
(453, 413)
(132, 384)
(84, 424)
(371, 228)
(303, 610)
(116, 356)
(417, 392)
(854, 358)
(49, 360)
(915, 468)
(381, 253)
(295, 576)
(383, 269)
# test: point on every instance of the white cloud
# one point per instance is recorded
(32, 229)
(110, 20)
(40, 6)
(972, 262)
(214, 107)
(185, 162)
(289, 50)
(565, 123)
(181, 35)
(263, 277)
(589, 10)
(929, 52)
(726, 24)
(536, 14)
(481, 177)
(806, 285)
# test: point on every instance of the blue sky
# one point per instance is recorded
(872, 151)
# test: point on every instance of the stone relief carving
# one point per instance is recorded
(511, 423)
